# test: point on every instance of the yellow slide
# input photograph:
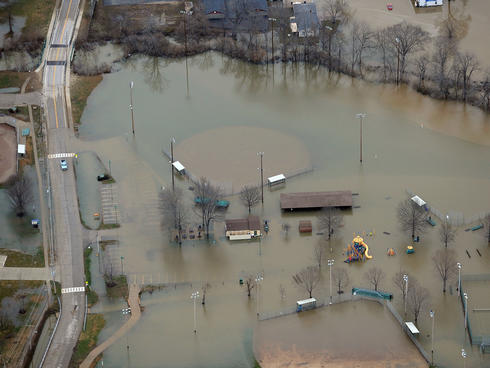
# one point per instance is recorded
(367, 250)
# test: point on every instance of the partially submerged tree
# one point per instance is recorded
(204, 289)
(445, 264)
(375, 276)
(447, 233)
(418, 299)
(249, 281)
(319, 252)
(307, 279)
(407, 39)
(174, 210)
(466, 65)
(330, 220)
(340, 278)
(286, 228)
(412, 217)
(207, 207)
(20, 194)
(250, 196)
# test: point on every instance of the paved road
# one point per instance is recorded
(8, 100)
(25, 273)
(67, 227)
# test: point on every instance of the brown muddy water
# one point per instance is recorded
(439, 150)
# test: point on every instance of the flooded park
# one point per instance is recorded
(301, 117)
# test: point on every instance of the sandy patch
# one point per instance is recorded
(8, 152)
(228, 155)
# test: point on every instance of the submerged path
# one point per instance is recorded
(134, 304)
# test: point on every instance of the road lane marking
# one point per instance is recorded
(80, 289)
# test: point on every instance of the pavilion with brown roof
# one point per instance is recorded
(240, 229)
(314, 200)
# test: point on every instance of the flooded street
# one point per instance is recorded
(439, 150)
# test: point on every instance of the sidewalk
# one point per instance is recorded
(25, 273)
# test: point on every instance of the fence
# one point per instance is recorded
(482, 341)
(27, 335)
(292, 310)
(455, 218)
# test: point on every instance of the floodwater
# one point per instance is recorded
(17, 232)
(438, 150)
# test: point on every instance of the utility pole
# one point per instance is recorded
(261, 154)
(258, 279)
(405, 278)
(172, 141)
(432, 316)
(131, 85)
(465, 311)
(397, 40)
(330, 264)
(361, 116)
(459, 277)
(184, 13)
(194, 296)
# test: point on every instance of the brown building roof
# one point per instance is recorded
(250, 223)
(342, 198)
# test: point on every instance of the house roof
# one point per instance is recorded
(342, 198)
(250, 223)
(305, 16)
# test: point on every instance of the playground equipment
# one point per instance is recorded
(391, 252)
(357, 250)
(410, 249)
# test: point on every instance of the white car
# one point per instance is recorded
(63, 165)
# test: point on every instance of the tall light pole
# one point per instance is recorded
(463, 354)
(397, 40)
(432, 316)
(172, 141)
(261, 154)
(194, 296)
(330, 30)
(405, 278)
(258, 279)
(459, 277)
(330, 264)
(360, 116)
(465, 311)
(185, 13)
(131, 85)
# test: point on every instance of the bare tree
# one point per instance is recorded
(250, 283)
(412, 217)
(205, 288)
(442, 55)
(286, 228)
(330, 220)
(361, 41)
(307, 279)
(382, 40)
(447, 233)
(400, 283)
(375, 276)
(407, 39)
(174, 210)
(484, 98)
(466, 65)
(207, 207)
(444, 262)
(250, 196)
(337, 11)
(421, 64)
(418, 299)
(20, 194)
(340, 278)
(319, 252)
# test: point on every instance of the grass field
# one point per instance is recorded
(81, 88)
(88, 338)
(20, 259)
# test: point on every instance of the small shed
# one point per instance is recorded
(276, 180)
(413, 329)
(35, 223)
(303, 305)
(418, 200)
(179, 167)
(242, 229)
(21, 149)
(305, 226)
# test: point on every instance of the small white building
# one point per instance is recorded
(179, 167)
(21, 149)
(276, 180)
(427, 3)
